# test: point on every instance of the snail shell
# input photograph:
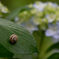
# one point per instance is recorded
(13, 38)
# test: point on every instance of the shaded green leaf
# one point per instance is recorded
(4, 52)
(14, 4)
(54, 56)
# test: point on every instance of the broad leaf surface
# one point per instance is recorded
(25, 44)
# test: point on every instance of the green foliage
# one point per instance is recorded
(25, 43)
(16, 12)
(14, 4)
(44, 43)
(4, 52)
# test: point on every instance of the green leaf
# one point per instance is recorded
(26, 56)
(23, 56)
(43, 44)
(53, 51)
(4, 52)
(16, 12)
(54, 56)
(46, 44)
(50, 53)
(54, 46)
(25, 44)
(14, 4)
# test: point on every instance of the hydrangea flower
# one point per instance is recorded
(3, 9)
(50, 17)
(39, 6)
(53, 31)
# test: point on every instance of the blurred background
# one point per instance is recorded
(39, 13)
(37, 17)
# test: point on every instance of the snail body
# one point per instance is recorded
(13, 38)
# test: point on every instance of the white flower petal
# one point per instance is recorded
(50, 32)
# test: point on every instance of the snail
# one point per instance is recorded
(13, 38)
